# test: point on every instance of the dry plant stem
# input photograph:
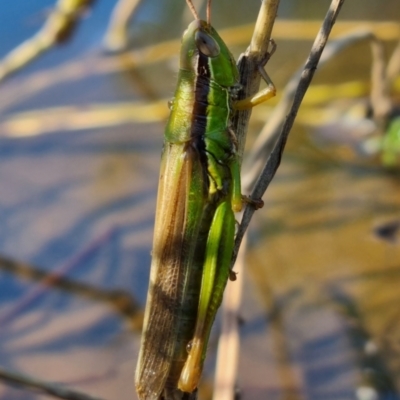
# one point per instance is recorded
(58, 28)
(54, 276)
(274, 159)
(51, 389)
(121, 301)
(229, 342)
(393, 68)
(262, 31)
(228, 347)
(117, 32)
(380, 91)
(249, 62)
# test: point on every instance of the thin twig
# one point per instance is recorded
(51, 389)
(274, 159)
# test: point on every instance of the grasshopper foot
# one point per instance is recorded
(256, 203)
(232, 275)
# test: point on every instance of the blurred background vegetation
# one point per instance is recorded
(81, 130)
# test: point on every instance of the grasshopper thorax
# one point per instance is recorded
(205, 53)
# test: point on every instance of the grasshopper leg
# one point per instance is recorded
(215, 276)
(255, 203)
(262, 95)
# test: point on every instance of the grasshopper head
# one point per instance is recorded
(206, 54)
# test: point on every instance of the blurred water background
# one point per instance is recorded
(80, 141)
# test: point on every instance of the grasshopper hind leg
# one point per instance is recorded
(215, 276)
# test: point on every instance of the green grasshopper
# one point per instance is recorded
(199, 191)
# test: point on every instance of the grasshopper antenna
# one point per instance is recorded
(193, 10)
(209, 12)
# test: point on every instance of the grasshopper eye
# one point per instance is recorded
(206, 44)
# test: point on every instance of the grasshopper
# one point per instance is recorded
(199, 192)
